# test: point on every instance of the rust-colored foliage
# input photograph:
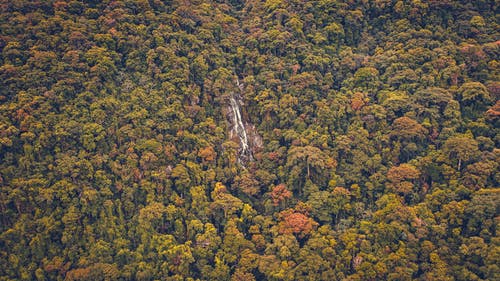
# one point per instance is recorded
(368, 130)
(293, 222)
(402, 177)
(357, 101)
(207, 153)
(494, 111)
(407, 128)
(402, 172)
(279, 194)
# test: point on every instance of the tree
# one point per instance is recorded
(98, 271)
(223, 200)
(405, 128)
(480, 213)
(403, 177)
(247, 184)
(294, 222)
(367, 78)
(494, 112)
(280, 194)
(461, 150)
(308, 162)
(373, 127)
(474, 98)
(234, 242)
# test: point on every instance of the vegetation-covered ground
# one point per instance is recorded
(380, 149)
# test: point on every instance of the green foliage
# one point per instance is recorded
(372, 125)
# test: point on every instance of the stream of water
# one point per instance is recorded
(238, 129)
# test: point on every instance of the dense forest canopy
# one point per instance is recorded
(371, 130)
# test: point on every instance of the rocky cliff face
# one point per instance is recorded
(241, 130)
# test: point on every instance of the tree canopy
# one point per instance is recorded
(370, 131)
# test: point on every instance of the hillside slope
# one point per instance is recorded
(249, 140)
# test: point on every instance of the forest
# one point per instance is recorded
(248, 140)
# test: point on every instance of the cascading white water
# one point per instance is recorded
(239, 129)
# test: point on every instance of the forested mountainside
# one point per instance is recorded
(249, 140)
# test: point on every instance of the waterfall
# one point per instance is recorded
(238, 129)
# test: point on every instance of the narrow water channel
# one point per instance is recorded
(238, 129)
